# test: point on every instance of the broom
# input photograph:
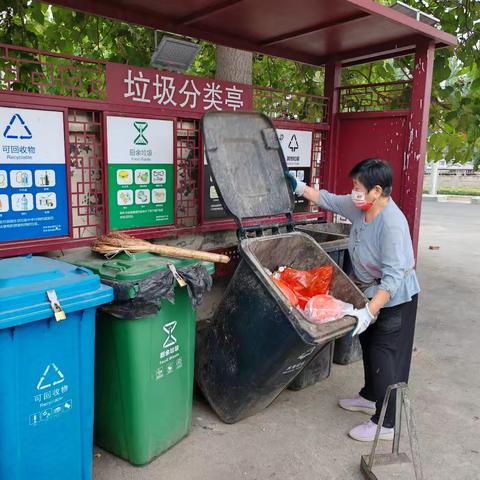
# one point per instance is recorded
(115, 243)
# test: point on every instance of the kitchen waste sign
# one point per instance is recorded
(140, 172)
(33, 174)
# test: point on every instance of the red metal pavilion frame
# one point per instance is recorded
(318, 32)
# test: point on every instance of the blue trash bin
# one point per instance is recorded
(46, 368)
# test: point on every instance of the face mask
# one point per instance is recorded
(359, 200)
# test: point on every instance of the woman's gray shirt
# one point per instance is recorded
(381, 251)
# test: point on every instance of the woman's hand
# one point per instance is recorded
(298, 186)
(301, 189)
(365, 316)
(364, 319)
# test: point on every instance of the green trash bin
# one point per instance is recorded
(144, 365)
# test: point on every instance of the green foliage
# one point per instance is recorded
(455, 107)
(470, 192)
(56, 29)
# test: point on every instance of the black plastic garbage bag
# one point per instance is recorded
(143, 298)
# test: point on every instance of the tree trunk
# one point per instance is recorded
(233, 65)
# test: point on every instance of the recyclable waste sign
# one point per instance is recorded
(140, 172)
(33, 181)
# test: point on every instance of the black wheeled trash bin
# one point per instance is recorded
(256, 342)
(333, 238)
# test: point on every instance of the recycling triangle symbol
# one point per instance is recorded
(17, 128)
(52, 376)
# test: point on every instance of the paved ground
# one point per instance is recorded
(303, 434)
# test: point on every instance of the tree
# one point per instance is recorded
(233, 65)
(455, 108)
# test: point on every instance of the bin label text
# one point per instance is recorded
(170, 359)
(50, 396)
(294, 368)
(307, 353)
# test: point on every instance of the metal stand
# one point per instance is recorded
(381, 464)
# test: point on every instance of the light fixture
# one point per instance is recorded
(415, 13)
(174, 53)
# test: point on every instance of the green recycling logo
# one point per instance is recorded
(140, 139)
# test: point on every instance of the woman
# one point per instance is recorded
(383, 263)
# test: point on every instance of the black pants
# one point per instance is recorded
(387, 353)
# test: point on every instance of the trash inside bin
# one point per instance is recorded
(257, 342)
(333, 238)
(145, 353)
(46, 367)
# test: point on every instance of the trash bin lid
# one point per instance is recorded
(247, 164)
(24, 282)
(135, 267)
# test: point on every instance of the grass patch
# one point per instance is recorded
(471, 192)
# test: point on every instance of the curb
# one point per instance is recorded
(452, 199)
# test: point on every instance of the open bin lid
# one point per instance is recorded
(247, 164)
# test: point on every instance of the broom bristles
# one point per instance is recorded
(119, 242)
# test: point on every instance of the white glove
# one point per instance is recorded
(364, 319)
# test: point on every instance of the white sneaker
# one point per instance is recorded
(358, 404)
(366, 432)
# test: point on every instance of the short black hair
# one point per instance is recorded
(372, 172)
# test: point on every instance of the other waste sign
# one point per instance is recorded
(140, 172)
(297, 149)
(33, 177)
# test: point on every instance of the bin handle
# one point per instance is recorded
(244, 231)
(115, 267)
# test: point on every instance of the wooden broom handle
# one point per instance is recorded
(169, 251)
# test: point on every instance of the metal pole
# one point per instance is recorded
(412, 435)
(379, 426)
(398, 420)
(434, 179)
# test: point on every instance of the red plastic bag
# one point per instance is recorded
(287, 291)
(321, 279)
(304, 285)
(307, 284)
(296, 279)
(325, 308)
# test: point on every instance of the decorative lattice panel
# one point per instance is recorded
(376, 97)
(188, 161)
(281, 105)
(45, 73)
(318, 162)
(86, 161)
